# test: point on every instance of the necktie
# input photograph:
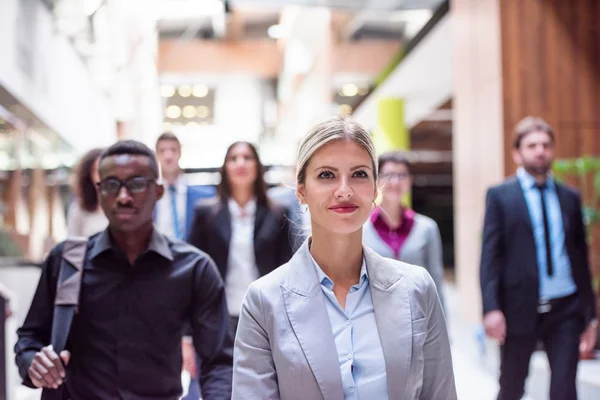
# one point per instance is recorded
(550, 268)
(176, 228)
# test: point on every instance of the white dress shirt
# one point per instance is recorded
(164, 216)
(241, 262)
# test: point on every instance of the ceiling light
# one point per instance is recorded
(167, 126)
(200, 90)
(167, 90)
(173, 112)
(363, 90)
(192, 125)
(203, 111)
(345, 109)
(349, 90)
(189, 111)
(185, 90)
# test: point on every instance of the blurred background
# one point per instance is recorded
(444, 80)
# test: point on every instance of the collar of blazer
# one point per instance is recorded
(307, 313)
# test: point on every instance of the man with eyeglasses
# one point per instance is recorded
(139, 289)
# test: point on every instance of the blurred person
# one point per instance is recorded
(175, 211)
(284, 195)
(396, 231)
(340, 321)
(245, 235)
(173, 216)
(535, 274)
(139, 289)
(84, 215)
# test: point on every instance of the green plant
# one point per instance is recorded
(584, 172)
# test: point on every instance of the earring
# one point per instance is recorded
(303, 210)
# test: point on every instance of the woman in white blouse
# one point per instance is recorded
(339, 321)
(84, 216)
(241, 230)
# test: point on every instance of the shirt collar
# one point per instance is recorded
(180, 183)
(324, 280)
(236, 210)
(158, 244)
(528, 181)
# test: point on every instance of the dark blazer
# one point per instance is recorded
(509, 270)
(211, 233)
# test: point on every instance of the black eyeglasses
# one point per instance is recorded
(399, 175)
(112, 186)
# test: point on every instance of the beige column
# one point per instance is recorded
(478, 136)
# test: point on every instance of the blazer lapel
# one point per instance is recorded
(259, 218)
(521, 203)
(222, 223)
(307, 313)
(391, 304)
(563, 201)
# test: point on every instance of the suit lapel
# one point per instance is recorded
(563, 201)
(520, 202)
(307, 313)
(222, 223)
(259, 219)
(391, 304)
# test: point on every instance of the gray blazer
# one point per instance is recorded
(284, 348)
(423, 247)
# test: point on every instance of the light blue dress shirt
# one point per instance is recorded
(561, 283)
(357, 339)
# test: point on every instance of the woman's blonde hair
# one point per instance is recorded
(335, 128)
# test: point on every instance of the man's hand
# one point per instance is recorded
(495, 325)
(588, 338)
(46, 369)
(189, 357)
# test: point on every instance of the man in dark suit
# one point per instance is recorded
(535, 276)
(173, 216)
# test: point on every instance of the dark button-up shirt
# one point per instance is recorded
(125, 341)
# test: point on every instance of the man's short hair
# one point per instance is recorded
(168, 136)
(528, 125)
(395, 157)
(132, 147)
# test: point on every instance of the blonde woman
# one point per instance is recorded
(338, 321)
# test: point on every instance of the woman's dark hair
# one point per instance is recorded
(85, 188)
(394, 157)
(260, 186)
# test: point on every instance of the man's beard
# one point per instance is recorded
(537, 169)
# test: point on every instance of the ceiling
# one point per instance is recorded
(365, 19)
(423, 79)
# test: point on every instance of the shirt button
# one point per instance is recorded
(349, 356)
(351, 390)
(348, 323)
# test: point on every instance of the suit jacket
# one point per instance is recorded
(211, 233)
(193, 195)
(285, 347)
(509, 267)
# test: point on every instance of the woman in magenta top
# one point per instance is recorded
(396, 231)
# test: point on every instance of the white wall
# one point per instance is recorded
(238, 114)
(42, 70)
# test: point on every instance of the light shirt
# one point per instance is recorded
(241, 262)
(561, 283)
(359, 350)
(164, 212)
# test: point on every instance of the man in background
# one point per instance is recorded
(173, 216)
(535, 274)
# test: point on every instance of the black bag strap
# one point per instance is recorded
(66, 301)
